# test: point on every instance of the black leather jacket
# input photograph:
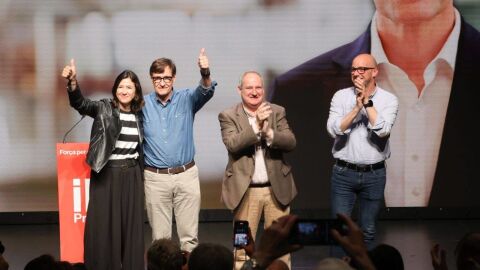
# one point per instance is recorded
(105, 129)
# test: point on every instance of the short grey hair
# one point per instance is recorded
(240, 82)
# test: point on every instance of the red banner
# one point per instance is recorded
(73, 194)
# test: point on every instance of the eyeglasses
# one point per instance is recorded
(360, 70)
(166, 79)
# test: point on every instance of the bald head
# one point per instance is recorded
(365, 60)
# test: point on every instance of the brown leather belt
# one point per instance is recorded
(173, 170)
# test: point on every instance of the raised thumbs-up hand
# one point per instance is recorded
(69, 71)
(202, 59)
(204, 68)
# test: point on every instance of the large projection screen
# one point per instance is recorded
(37, 38)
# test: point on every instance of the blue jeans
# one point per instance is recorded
(368, 187)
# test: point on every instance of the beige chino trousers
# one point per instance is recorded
(255, 201)
(177, 193)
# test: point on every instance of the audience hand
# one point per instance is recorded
(274, 241)
(185, 255)
(3, 263)
(250, 247)
(353, 243)
(439, 258)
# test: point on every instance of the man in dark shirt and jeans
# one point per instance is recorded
(171, 177)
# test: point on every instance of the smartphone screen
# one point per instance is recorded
(315, 232)
(240, 233)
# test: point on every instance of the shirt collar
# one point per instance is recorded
(247, 112)
(373, 93)
(449, 50)
(376, 45)
(172, 98)
(447, 53)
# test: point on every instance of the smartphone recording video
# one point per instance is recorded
(315, 231)
(240, 233)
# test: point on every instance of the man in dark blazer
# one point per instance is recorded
(306, 90)
(257, 179)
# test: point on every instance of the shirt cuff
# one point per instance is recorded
(338, 131)
(255, 128)
(379, 123)
(206, 89)
(69, 86)
(269, 137)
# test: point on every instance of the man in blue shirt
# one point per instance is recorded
(171, 177)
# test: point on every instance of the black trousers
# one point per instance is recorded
(114, 234)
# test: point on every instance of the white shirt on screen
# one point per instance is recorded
(416, 137)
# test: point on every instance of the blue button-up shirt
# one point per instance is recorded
(168, 127)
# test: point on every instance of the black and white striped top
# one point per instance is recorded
(126, 145)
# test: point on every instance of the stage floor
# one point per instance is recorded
(412, 237)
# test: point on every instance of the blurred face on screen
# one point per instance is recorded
(125, 93)
(411, 10)
(163, 83)
(251, 90)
